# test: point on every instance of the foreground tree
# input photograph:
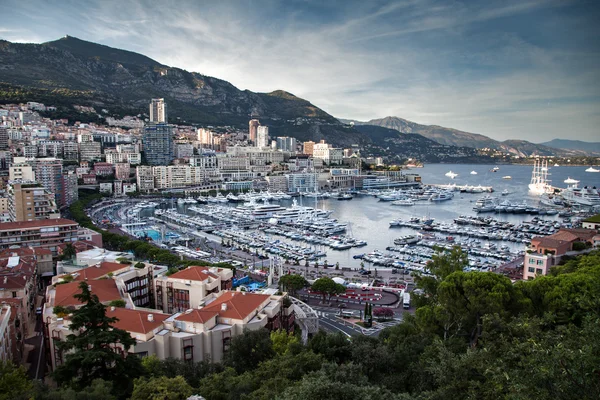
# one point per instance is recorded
(327, 287)
(162, 388)
(91, 354)
(14, 383)
(248, 350)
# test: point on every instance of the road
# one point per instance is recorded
(37, 357)
(329, 322)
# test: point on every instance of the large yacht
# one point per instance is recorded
(485, 204)
(539, 178)
(585, 196)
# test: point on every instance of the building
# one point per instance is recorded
(277, 183)
(49, 173)
(70, 188)
(308, 147)
(330, 155)
(8, 335)
(71, 151)
(21, 172)
(3, 138)
(158, 144)
(546, 252)
(187, 288)
(286, 143)
(262, 137)
(144, 178)
(184, 150)
(30, 202)
(103, 169)
(302, 182)
(90, 151)
(158, 111)
(591, 222)
(46, 233)
(253, 130)
(122, 171)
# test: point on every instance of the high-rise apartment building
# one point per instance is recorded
(158, 144)
(158, 111)
(49, 173)
(70, 188)
(90, 151)
(308, 147)
(286, 143)
(30, 202)
(262, 137)
(3, 138)
(253, 130)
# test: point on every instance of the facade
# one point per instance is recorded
(103, 169)
(144, 178)
(70, 188)
(47, 233)
(158, 144)
(90, 151)
(184, 150)
(158, 111)
(49, 173)
(30, 202)
(71, 151)
(122, 171)
(308, 147)
(546, 252)
(21, 172)
(591, 222)
(253, 130)
(277, 183)
(330, 155)
(286, 143)
(187, 288)
(302, 182)
(262, 137)
(3, 138)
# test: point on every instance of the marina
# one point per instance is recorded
(491, 218)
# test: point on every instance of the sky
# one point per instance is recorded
(524, 69)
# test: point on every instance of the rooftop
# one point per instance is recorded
(99, 270)
(595, 218)
(194, 274)
(198, 316)
(239, 304)
(105, 289)
(5, 226)
(135, 320)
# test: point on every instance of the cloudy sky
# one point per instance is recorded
(527, 69)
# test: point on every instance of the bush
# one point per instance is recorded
(139, 265)
(117, 303)
(383, 313)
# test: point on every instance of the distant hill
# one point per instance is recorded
(454, 137)
(565, 144)
(72, 71)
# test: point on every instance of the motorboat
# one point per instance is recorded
(485, 204)
(507, 177)
(451, 174)
(345, 196)
(495, 169)
(441, 196)
(505, 192)
(473, 172)
(404, 202)
(592, 169)
(409, 239)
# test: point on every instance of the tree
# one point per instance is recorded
(383, 312)
(283, 341)
(14, 383)
(327, 287)
(161, 388)
(248, 350)
(91, 354)
(69, 251)
(443, 263)
(292, 283)
(98, 390)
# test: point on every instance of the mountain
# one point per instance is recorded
(565, 144)
(454, 137)
(71, 71)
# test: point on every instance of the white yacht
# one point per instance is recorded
(451, 174)
(507, 177)
(495, 169)
(539, 178)
(592, 169)
(585, 196)
(485, 204)
(473, 172)
(441, 196)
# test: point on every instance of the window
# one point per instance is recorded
(531, 261)
(540, 262)
(14, 294)
(142, 354)
(531, 269)
(188, 353)
(539, 271)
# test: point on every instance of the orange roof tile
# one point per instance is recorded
(99, 270)
(199, 316)
(239, 304)
(5, 226)
(105, 289)
(193, 274)
(136, 320)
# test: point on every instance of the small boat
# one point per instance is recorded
(592, 169)
(556, 165)
(473, 172)
(495, 169)
(451, 174)
(345, 196)
(505, 192)
(507, 177)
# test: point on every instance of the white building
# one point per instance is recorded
(262, 137)
(158, 111)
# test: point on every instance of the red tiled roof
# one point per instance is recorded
(15, 281)
(135, 320)
(564, 235)
(99, 270)
(105, 289)
(239, 304)
(549, 242)
(193, 274)
(199, 316)
(6, 226)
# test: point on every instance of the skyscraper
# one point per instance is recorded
(253, 130)
(158, 144)
(158, 111)
(3, 138)
(286, 143)
(262, 137)
(49, 173)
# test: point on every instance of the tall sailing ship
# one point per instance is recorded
(539, 178)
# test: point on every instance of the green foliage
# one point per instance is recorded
(283, 341)
(14, 383)
(139, 265)
(292, 283)
(327, 287)
(98, 390)
(123, 260)
(117, 303)
(90, 355)
(248, 350)
(161, 388)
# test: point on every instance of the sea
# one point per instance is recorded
(368, 218)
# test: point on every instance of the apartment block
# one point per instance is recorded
(144, 178)
(47, 233)
(158, 144)
(30, 202)
(122, 171)
(90, 151)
